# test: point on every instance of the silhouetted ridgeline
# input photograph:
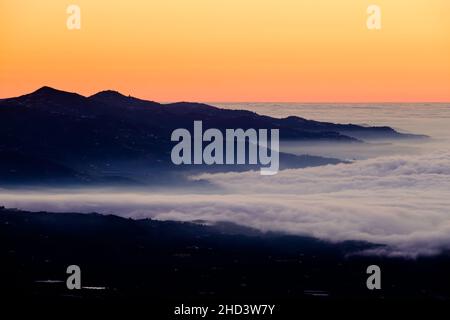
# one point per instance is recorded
(52, 136)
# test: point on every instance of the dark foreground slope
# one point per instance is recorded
(162, 264)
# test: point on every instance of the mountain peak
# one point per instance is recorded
(45, 88)
(115, 98)
(48, 90)
(108, 94)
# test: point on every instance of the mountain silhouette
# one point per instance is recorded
(112, 136)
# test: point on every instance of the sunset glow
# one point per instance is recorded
(233, 50)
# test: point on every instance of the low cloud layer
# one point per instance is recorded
(402, 202)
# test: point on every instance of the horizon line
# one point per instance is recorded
(238, 102)
(328, 102)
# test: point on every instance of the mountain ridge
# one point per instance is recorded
(109, 133)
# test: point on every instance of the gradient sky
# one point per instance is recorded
(229, 50)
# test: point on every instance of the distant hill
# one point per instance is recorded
(109, 135)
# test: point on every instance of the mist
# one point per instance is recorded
(392, 193)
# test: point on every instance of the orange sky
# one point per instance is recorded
(229, 50)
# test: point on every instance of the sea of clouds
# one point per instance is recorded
(401, 202)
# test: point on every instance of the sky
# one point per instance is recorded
(230, 50)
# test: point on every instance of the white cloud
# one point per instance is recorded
(401, 202)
